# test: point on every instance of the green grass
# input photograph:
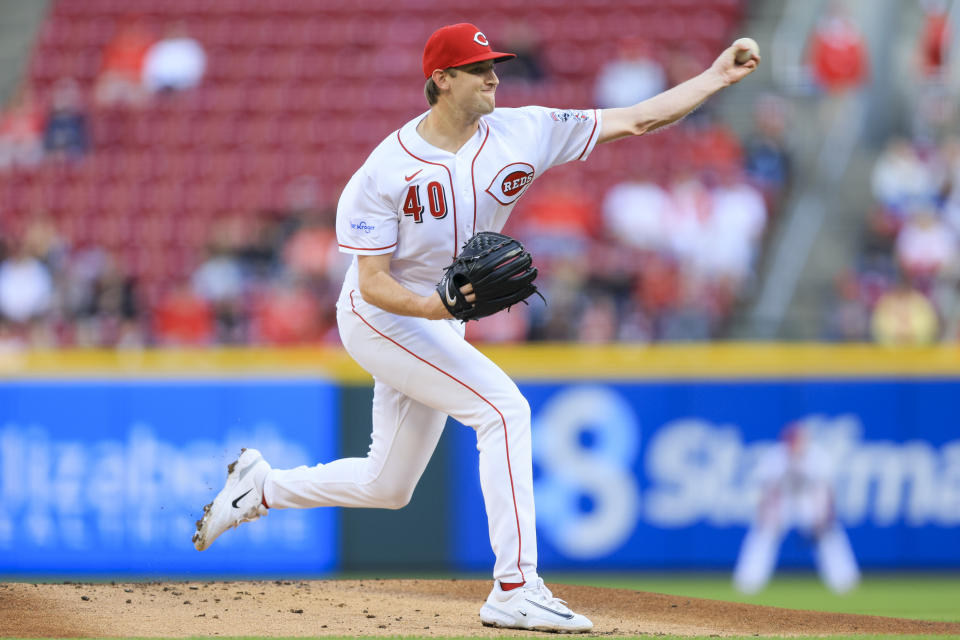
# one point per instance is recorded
(918, 596)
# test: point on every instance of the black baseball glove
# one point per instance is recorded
(500, 270)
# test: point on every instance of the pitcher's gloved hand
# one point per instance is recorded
(500, 270)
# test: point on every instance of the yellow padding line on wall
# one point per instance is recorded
(539, 361)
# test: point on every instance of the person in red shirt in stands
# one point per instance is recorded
(21, 131)
(838, 55)
(119, 81)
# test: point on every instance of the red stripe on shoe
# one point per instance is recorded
(503, 420)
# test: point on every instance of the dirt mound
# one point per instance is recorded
(386, 607)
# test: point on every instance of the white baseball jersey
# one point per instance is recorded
(422, 203)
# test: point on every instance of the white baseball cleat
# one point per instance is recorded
(240, 500)
(531, 606)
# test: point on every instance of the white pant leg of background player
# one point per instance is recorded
(430, 362)
(757, 559)
(835, 560)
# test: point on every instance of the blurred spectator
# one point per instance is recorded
(848, 314)
(766, 154)
(219, 281)
(689, 217)
(838, 55)
(796, 492)
(690, 316)
(635, 211)
(738, 217)
(66, 133)
(311, 253)
(42, 240)
(660, 283)
(904, 316)
(26, 286)
(183, 318)
(307, 235)
(562, 286)
(287, 314)
(840, 67)
(503, 328)
(111, 316)
(119, 81)
(21, 131)
(927, 85)
(902, 181)
(711, 145)
(633, 76)
(175, 62)
(926, 247)
(598, 323)
(557, 219)
(521, 39)
(933, 51)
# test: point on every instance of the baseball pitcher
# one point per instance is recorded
(422, 217)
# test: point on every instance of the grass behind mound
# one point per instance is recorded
(916, 596)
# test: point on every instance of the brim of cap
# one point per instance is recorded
(496, 56)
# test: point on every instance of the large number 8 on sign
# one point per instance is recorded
(585, 440)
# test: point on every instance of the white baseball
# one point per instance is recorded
(746, 49)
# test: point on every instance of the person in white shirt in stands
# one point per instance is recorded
(175, 62)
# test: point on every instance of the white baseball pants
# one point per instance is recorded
(423, 371)
(758, 558)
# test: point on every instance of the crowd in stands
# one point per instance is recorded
(903, 288)
(664, 251)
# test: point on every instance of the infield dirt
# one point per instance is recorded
(389, 608)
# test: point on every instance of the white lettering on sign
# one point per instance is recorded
(702, 472)
(136, 490)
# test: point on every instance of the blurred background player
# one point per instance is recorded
(796, 493)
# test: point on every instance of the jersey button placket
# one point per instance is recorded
(465, 196)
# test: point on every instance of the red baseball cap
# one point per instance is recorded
(456, 45)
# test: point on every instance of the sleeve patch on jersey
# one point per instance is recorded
(510, 183)
(361, 225)
(570, 114)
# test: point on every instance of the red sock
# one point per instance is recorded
(510, 586)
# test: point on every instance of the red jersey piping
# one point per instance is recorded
(596, 119)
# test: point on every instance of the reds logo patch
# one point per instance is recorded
(510, 183)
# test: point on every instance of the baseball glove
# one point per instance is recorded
(500, 270)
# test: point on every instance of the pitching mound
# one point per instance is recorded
(386, 607)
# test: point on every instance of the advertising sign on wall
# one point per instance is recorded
(111, 475)
(665, 474)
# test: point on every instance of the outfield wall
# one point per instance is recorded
(644, 457)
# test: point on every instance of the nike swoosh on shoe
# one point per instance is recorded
(239, 498)
(565, 616)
